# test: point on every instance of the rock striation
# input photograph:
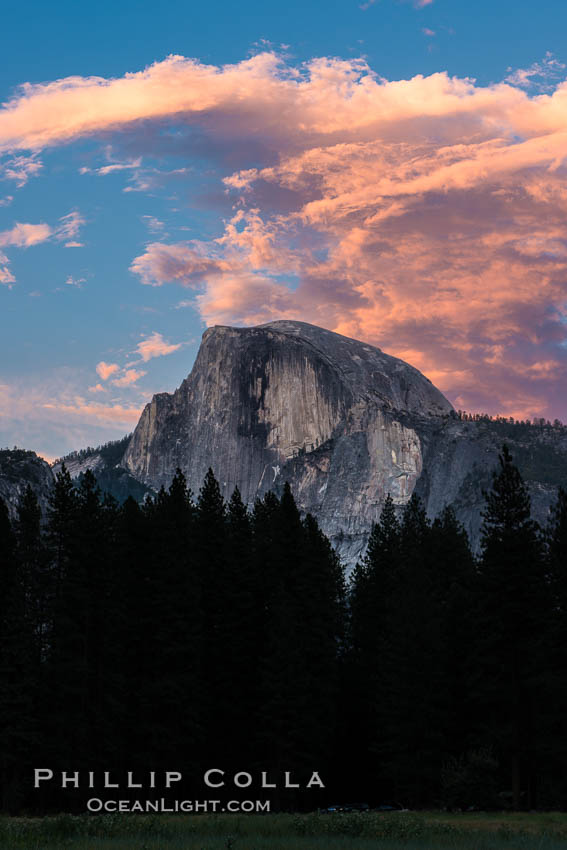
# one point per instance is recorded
(342, 421)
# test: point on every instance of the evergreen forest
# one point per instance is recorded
(188, 633)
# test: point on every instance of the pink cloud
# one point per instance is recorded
(24, 235)
(540, 75)
(105, 370)
(6, 276)
(424, 215)
(69, 228)
(155, 346)
(182, 262)
(129, 377)
(20, 169)
(96, 413)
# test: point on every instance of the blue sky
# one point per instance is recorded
(71, 302)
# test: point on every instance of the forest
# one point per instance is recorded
(187, 633)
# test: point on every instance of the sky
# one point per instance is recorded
(392, 170)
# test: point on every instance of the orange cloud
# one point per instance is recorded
(424, 215)
(105, 370)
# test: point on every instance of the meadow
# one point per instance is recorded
(369, 831)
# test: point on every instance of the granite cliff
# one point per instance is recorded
(342, 421)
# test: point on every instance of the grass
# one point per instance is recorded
(395, 831)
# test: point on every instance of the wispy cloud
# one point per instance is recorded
(541, 75)
(153, 224)
(69, 228)
(25, 235)
(6, 276)
(75, 281)
(103, 170)
(130, 376)
(20, 169)
(51, 414)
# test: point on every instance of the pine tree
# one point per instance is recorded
(554, 721)
(20, 652)
(171, 676)
(240, 632)
(453, 576)
(408, 738)
(513, 611)
(370, 599)
(304, 598)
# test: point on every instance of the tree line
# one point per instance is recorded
(190, 633)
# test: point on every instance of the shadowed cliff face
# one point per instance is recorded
(337, 418)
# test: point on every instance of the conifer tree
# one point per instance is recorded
(371, 590)
(20, 653)
(554, 714)
(172, 690)
(513, 613)
(240, 631)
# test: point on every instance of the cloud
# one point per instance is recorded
(78, 282)
(429, 33)
(25, 235)
(155, 346)
(53, 417)
(130, 377)
(97, 388)
(69, 228)
(103, 170)
(541, 75)
(424, 215)
(6, 200)
(105, 370)
(183, 262)
(20, 169)
(153, 224)
(6, 276)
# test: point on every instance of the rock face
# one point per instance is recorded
(18, 468)
(340, 420)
